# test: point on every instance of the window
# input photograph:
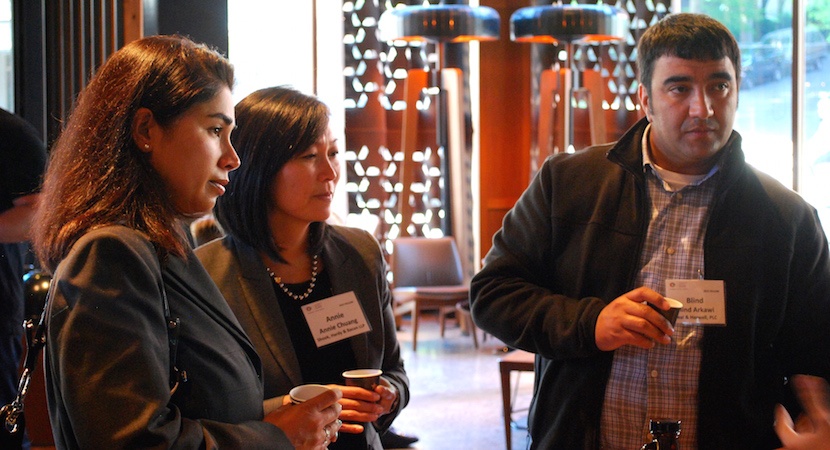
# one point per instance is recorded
(295, 43)
(271, 43)
(764, 32)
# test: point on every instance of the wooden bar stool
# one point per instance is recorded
(520, 361)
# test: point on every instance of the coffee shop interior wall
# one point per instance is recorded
(509, 74)
(58, 45)
(70, 38)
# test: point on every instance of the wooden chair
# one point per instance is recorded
(427, 275)
(515, 361)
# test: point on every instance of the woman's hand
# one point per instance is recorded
(363, 406)
(359, 406)
(388, 395)
(311, 425)
(272, 404)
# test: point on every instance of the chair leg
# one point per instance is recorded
(465, 320)
(416, 311)
(442, 320)
(472, 327)
(506, 402)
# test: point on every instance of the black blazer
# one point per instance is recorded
(107, 359)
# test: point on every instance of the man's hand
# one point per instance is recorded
(629, 321)
(16, 222)
(812, 431)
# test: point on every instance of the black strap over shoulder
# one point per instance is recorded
(177, 377)
(173, 325)
(12, 414)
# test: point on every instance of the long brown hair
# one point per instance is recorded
(97, 175)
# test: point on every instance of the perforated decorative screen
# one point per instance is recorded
(375, 75)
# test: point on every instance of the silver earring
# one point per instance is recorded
(146, 146)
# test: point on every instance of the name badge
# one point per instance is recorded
(704, 301)
(335, 318)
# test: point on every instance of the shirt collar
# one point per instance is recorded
(672, 181)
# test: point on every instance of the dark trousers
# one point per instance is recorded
(11, 354)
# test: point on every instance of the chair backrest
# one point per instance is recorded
(418, 262)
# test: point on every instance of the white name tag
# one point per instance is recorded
(704, 301)
(335, 318)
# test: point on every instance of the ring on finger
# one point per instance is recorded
(328, 435)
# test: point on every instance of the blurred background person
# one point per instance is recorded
(24, 160)
(205, 229)
(279, 256)
(142, 350)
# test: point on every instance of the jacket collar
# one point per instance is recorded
(627, 152)
(256, 283)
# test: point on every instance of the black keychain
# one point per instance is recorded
(12, 414)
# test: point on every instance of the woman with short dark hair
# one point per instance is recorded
(282, 267)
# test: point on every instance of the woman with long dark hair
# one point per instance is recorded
(142, 350)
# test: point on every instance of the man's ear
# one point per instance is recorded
(143, 122)
(642, 94)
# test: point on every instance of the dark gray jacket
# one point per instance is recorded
(108, 356)
(354, 262)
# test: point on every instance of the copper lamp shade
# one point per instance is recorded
(439, 23)
(568, 23)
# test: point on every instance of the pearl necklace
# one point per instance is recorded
(308, 291)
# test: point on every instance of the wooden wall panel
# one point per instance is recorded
(505, 123)
(66, 41)
(80, 35)
(133, 17)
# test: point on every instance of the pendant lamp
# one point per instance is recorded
(568, 25)
(438, 24)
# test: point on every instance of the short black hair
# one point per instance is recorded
(272, 126)
(687, 36)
